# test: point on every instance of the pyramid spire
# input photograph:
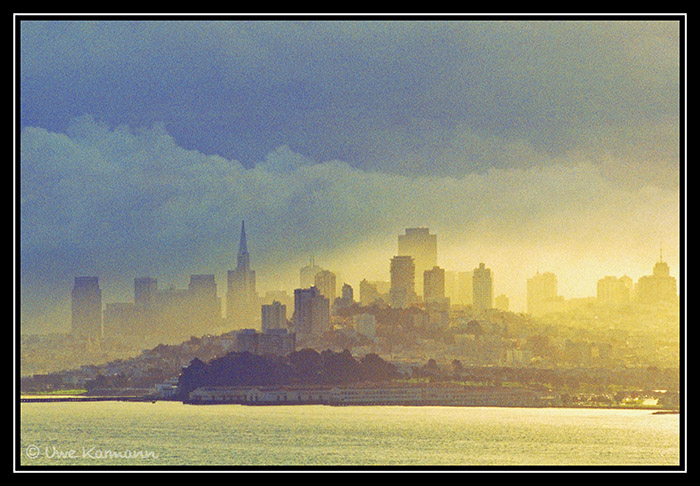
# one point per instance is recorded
(243, 257)
(243, 247)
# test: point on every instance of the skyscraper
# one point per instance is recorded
(422, 246)
(273, 316)
(86, 308)
(657, 287)
(324, 281)
(241, 298)
(482, 288)
(402, 292)
(613, 291)
(434, 284)
(205, 305)
(311, 313)
(368, 292)
(307, 275)
(541, 293)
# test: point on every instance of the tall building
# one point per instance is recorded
(434, 284)
(86, 308)
(173, 311)
(346, 299)
(324, 281)
(657, 287)
(402, 292)
(241, 297)
(613, 291)
(311, 313)
(204, 301)
(482, 288)
(144, 314)
(368, 293)
(422, 246)
(273, 316)
(307, 275)
(347, 294)
(541, 293)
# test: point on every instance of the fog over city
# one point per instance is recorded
(530, 146)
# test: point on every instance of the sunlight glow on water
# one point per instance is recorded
(170, 433)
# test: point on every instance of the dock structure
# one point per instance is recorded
(388, 394)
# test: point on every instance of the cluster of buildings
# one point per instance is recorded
(265, 324)
(543, 298)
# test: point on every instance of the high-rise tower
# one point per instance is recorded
(482, 283)
(422, 246)
(403, 270)
(660, 286)
(86, 308)
(241, 298)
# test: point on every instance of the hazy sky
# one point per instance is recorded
(550, 146)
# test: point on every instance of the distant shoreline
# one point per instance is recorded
(76, 399)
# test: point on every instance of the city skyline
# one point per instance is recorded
(243, 309)
(489, 165)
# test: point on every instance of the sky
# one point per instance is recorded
(527, 145)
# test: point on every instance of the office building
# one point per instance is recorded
(613, 291)
(307, 275)
(402, 292)
(434, 285)
(368, 293)
(482, 288)
(422, 246)
(86, 308)
(324, 281)
(311, 313)
(273, 316)
(204, 302)
(542, 297)
(657, 287)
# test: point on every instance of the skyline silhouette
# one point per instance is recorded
(575, 170)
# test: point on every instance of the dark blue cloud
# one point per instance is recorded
(326, 89)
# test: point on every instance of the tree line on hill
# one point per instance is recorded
(303, 367)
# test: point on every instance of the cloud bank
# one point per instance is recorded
(121, 203)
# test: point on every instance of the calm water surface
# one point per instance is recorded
(170, 433)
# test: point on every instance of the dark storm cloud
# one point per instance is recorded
(408, 97)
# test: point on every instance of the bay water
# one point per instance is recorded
(174, 434)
